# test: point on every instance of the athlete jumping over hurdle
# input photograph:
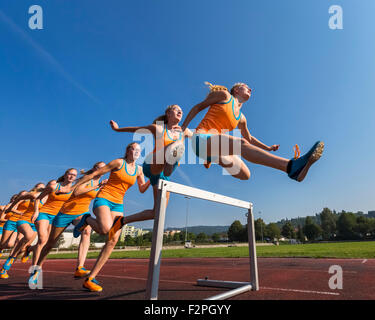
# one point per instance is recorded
(224, 115)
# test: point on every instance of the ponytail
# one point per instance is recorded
(85, 173)
(61, 179)
(215, 87)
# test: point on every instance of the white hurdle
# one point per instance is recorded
(157, 241)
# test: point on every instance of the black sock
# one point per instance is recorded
(289, 167)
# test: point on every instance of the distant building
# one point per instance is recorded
(131, 231)
(171, 232)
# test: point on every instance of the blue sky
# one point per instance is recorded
(95, 61)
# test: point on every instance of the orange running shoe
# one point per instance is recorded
(3, 274)
(92, 285)
(117, 225)
(81, 272)
(26, 255)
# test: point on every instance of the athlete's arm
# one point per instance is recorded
(142, 185)
(212, 98)
(151, 128)
(242, 125)
(113, 165)
(14, 205)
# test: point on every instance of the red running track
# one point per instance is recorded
(125, 279)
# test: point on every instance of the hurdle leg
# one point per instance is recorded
(157, 244)
(252, 251)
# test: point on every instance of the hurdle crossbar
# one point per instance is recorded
(157, 241)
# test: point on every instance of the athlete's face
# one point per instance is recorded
(243, 92)
(70, 175)
(174, 114)
(134, 151)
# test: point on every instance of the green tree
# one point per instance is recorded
(96, 237)
(201, 237)
(215, 237)
(272, 231)
(235, 231)
(311, 229)
(364, 226)
(287, 230)
(328, 223)
(300, 234)
(129, 241)
(260, 227)
(346, 226)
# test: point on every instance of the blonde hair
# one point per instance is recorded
(215, 87)
(237, 85)
(164, 117)
(35, 188)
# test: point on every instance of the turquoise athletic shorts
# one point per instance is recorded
(32, 225)
(118, 207)
(45, 216)
(62, 220)
(1, 230)
(10, 226)
(199, 144)
(154, 178)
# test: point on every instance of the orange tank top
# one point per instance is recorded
(55, 201)
(118, 183)
(220, 116)
(81, 203)
(167, 140)
(26, 216)
(21, 207)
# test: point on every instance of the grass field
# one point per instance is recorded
(364, 250)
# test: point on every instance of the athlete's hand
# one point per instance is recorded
(274, 147)
(114, 125)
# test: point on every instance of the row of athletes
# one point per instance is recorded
(47, 210)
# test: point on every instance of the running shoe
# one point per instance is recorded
(92, 285)
(81, 272)
(8, 263)
(3, 274)
(117, 225)
(80, 226)
(298, 168)
(26, 255)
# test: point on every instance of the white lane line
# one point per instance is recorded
(364, 261)
(113, 276)
(303, 291)
(187, 282)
